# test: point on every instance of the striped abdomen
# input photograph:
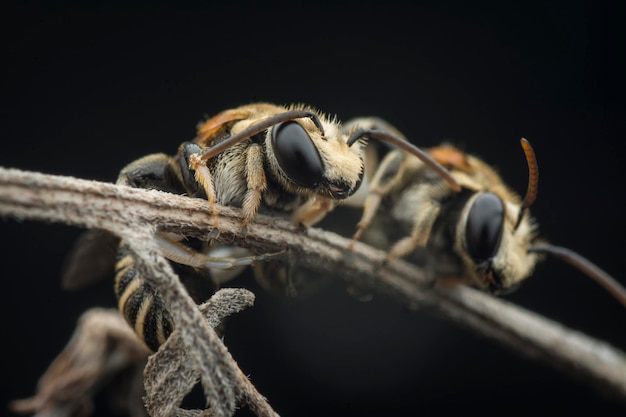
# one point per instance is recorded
(139, 302)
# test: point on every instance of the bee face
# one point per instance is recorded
(306, 160)
(495, 254)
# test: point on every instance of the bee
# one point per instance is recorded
(480, 234)
(261, 157)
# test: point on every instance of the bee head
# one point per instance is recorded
(498, 240)
(494, 252)
(314, 157)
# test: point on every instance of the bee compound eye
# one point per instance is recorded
(297, 155)
(483, 230)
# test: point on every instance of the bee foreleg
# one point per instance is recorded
(257, 183)
(386, 176)
(422, 226)
(312, 211)
(205, 179)
(427, 197)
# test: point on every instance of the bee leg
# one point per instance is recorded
(205, 179)
(428, 195)
(222, 276)
(180, 253)
(449, 282)
(385, 178)
(187, 174)
(197, 179)
(420, 233)
(435, 280)
(257, 183)
(312, 211)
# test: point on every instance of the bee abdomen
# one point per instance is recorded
(139, 302)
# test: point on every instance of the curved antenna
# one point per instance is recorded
(533, 181)
(260, 127)
(386, 136)
(587, 267)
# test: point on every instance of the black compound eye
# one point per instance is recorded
(485, 222)
(297, 155)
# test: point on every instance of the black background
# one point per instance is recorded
(87, 89)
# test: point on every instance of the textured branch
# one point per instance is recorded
(102, 346)
(172, 372)
(89, 204)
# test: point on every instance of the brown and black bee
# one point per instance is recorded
(480, 234)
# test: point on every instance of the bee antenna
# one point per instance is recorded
(260, 127)
(587, 267)
(386, 136)
(533, 181)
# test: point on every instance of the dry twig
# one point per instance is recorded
(125, 211)
(171, 373)
(102, 347)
